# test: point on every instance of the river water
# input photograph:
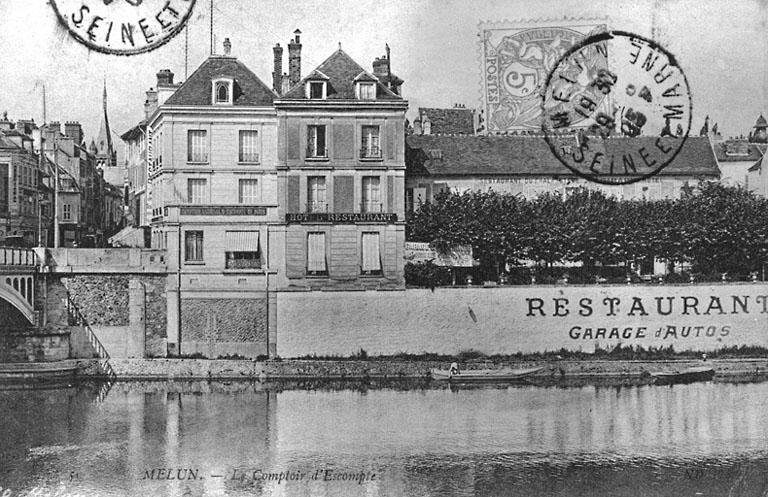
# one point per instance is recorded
(235, 439)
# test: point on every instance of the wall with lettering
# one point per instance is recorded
(522, 319)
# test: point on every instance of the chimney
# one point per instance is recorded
(381, 68)
(277, 83)
(294, 58)
(74, 130)
(426, 125)
(150, 105)
(417, 126)
(227, 47)
(285, 84)
(5, 124)
(164, 78)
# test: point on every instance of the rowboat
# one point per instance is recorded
(689, 375)
(504, 374)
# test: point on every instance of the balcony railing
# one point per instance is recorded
(317, 154)
(317, 207)
(244, 263)
(249, 157)
(372, 152)
(371, 207)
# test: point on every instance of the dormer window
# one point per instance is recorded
(222, 91)
(316, 90)
(366, 91)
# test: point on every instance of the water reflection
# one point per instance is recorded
(199, 438)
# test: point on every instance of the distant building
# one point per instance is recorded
(525, 165)
(341, 176)
(19, 186)
(105, 152)
(735, 157)
(456, 121)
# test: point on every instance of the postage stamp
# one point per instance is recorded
(616, 108)
(516, 58)
(123, 27)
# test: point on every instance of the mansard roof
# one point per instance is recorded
(248, 89)
(342, 72)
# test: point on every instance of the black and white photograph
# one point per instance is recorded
(417, 248)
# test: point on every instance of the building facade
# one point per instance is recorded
(524, 165)
(19, 187)
(213, 181)
(341, 176)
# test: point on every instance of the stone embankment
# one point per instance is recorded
(127, 369)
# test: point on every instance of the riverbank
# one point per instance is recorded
(178, 369)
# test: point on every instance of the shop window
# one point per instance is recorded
(243, 250)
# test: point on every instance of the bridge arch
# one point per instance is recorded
(18, 290)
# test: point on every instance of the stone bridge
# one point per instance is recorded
(18, 268)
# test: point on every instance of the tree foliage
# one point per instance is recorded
(715, 228)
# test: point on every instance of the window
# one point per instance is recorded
(222, 92)
(371, 257)
(196, 191)
(243, 250)
(197, 145)
(193, 246)
(366, 91)
(317, 89)
(316, 254)
(67, 214)
(371, 198)
(370, 144)
(249, 146)
(316, 141)
(249, 191)
(316, 194)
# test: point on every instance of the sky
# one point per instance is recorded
(721, 46)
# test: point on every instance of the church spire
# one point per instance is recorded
(105, 150)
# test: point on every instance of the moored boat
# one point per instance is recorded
(504, 374)
(689, 375)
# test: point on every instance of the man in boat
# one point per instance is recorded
(454, 369)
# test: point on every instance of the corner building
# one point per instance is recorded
(213, 177)
(341, 176)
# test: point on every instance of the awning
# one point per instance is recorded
(242, 241)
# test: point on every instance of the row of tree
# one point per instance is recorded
(714, 228)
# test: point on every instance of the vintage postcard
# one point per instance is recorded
(362, 248)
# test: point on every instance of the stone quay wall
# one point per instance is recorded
(521, 319)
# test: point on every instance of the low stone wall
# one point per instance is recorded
(28, 347)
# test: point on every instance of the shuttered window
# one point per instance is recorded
(370, 147)
(243, 250)
(249, 146)
(371, 256)
(316, 254)
(197, 145)
(316, 141)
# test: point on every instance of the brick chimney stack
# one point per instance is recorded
(277, 73)
(164, 78)
(227, 47)
(151, 103)
(74, 130)
(294, 58)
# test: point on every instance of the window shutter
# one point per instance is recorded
(343, 193)
(293, 140)
(292, 202)
(390, 138)
(343, 141)
(390, 195)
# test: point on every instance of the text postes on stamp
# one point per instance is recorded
(616, 108)
(516, 58)
(123, 27)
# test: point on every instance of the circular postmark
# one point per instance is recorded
(616, 108)
(123, 27)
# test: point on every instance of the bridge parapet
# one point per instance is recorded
(15, 257)
(106, 260)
